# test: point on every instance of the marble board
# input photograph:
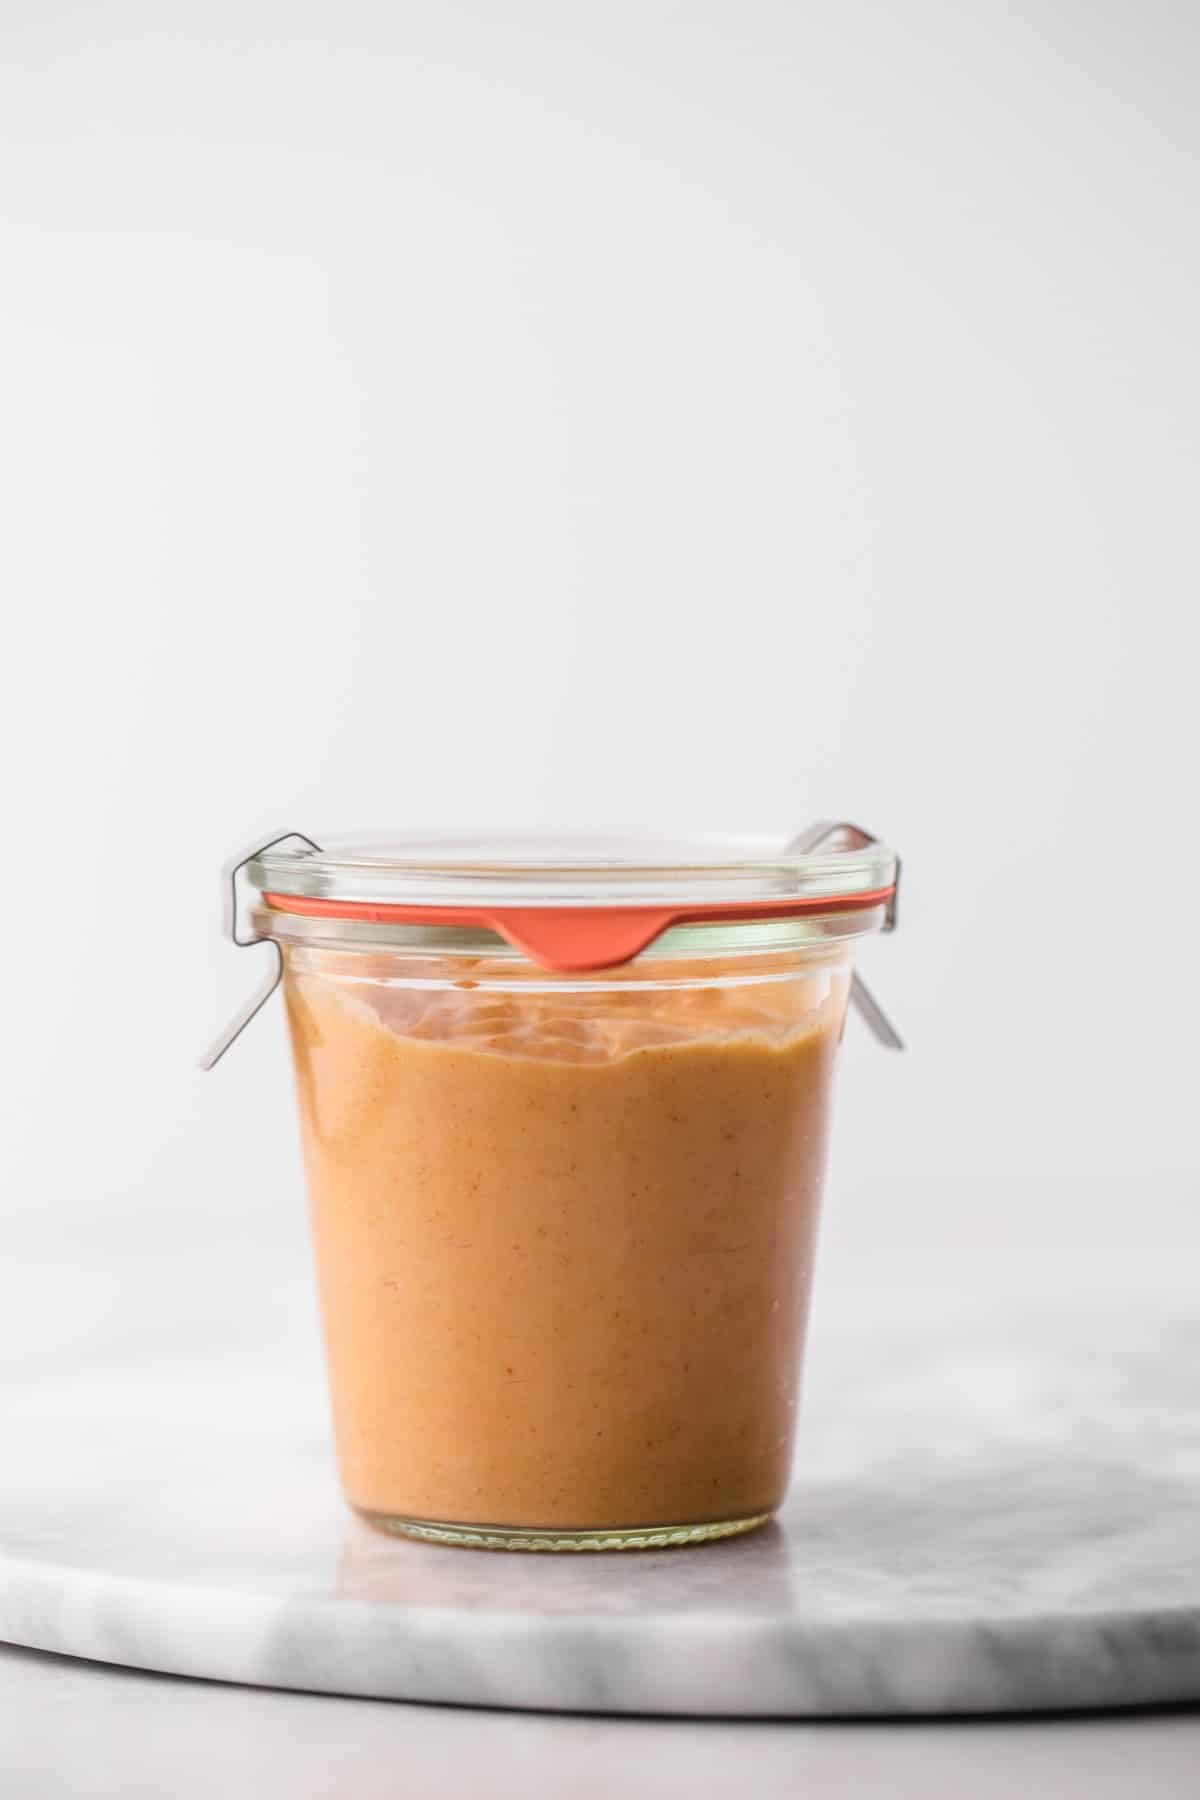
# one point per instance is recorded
(995, 1508)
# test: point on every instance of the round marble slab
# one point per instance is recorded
(995, 1511)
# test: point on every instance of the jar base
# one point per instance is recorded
(519, 1537)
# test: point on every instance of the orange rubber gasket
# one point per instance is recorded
(572, 940)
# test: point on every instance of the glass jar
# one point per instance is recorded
(564, 1113)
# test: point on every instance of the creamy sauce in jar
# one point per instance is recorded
(564, 1238)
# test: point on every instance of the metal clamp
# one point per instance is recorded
(853, 837)
(258, 1000)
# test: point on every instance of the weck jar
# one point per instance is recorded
(564, 1110)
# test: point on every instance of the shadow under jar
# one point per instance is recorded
(564, 1218)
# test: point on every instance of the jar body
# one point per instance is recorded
(564, 1232)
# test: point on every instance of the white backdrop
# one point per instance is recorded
(626, 413)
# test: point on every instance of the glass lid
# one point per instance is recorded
(522, 870)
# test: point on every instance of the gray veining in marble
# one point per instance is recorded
(993, 1510)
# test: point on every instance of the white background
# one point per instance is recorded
(633, 414)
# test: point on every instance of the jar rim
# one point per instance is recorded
(718, 941)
